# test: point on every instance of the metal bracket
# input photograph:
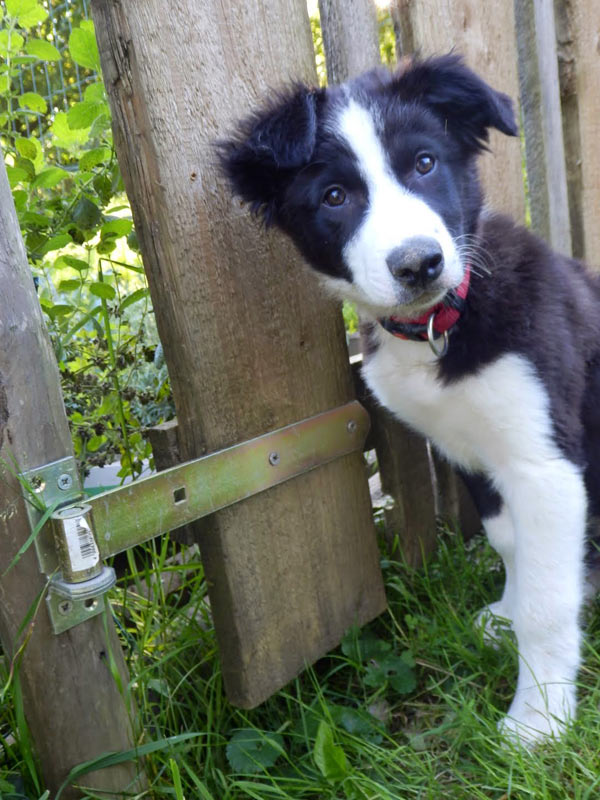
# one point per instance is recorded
(71, 603)
(76, 585)
(133, 514)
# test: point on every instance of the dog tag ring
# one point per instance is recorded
(440, 352)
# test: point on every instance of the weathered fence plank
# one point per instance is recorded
(73, 706)
(290, 570)
(351, 43)
(540, 104)
(487, 41)
(350, 37)
(584, 20)
(569, 107)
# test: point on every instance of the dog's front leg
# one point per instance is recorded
(547, 502)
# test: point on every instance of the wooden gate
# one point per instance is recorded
(250, 342)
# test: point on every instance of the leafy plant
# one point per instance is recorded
(78, 231)
(380, 665)
(250, 750)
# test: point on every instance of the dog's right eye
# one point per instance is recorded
(334, 196)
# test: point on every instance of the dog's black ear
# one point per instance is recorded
(268, 146)
(465, 103)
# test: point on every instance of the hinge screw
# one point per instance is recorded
(65, 606)
(351, 426)
(274, 458)
(65, 481)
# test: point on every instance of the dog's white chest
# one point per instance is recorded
(482, 421)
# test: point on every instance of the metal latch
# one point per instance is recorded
(83, 532)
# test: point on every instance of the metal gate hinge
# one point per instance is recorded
(83, 532)
(66, 545)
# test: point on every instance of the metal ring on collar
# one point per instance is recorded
(440, 352)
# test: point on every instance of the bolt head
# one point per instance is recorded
(65, 481)
(65, 606)
(351, 426)
(274, 458)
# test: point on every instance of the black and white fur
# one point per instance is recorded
(365, 178)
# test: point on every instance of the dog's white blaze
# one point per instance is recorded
(499, 421)
(394, 214)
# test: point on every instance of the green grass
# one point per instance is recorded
(406, 708)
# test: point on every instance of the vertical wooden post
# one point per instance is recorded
(250, 341)
(72, 703)
(582, 18)
(487, 41)
(566, 50)
(351, 43)
(350, 38)
(540, 102)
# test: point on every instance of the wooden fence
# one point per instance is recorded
(290, 569)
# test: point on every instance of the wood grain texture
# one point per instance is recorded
(350, 37)
(540, 101)
(352, 46)
(290, 570)
(569, 104)
(72, 705)
(487, 41)
(585, 21)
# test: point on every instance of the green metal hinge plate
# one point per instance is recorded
(142, 510)
(133, 514)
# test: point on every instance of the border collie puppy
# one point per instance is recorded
(376, 183)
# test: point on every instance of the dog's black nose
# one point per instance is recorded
(418, 260)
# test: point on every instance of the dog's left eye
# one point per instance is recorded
(424, 163)
(334, 196)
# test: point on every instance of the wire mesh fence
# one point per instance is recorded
(61, 81)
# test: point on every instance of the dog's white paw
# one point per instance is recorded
(539, 713)
(495, 621)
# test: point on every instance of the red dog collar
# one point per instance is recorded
(434, 322)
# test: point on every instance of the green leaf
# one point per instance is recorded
(86, 214)
(42, 49)
(14, 8)
(50, 177)
(76, 263)
(16, 175)
(55, 243)
(95, 443)
(18, 60)
(83, 48)
(37, 14)
(91, 158)
(35, 220)
(69, 285)
(357, 723)
(20, 199)
(10, 42)
(64, 136)
(26, 148)
(103, 290)
(360, 646)
(27, 165)
(329, 757)
(33, 101)
(82, 115)
(94, 93)
(116, 228)
(251, 751)
(58, 310)
(134, 297)
(397, 671)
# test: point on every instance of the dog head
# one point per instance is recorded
(374, 180)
